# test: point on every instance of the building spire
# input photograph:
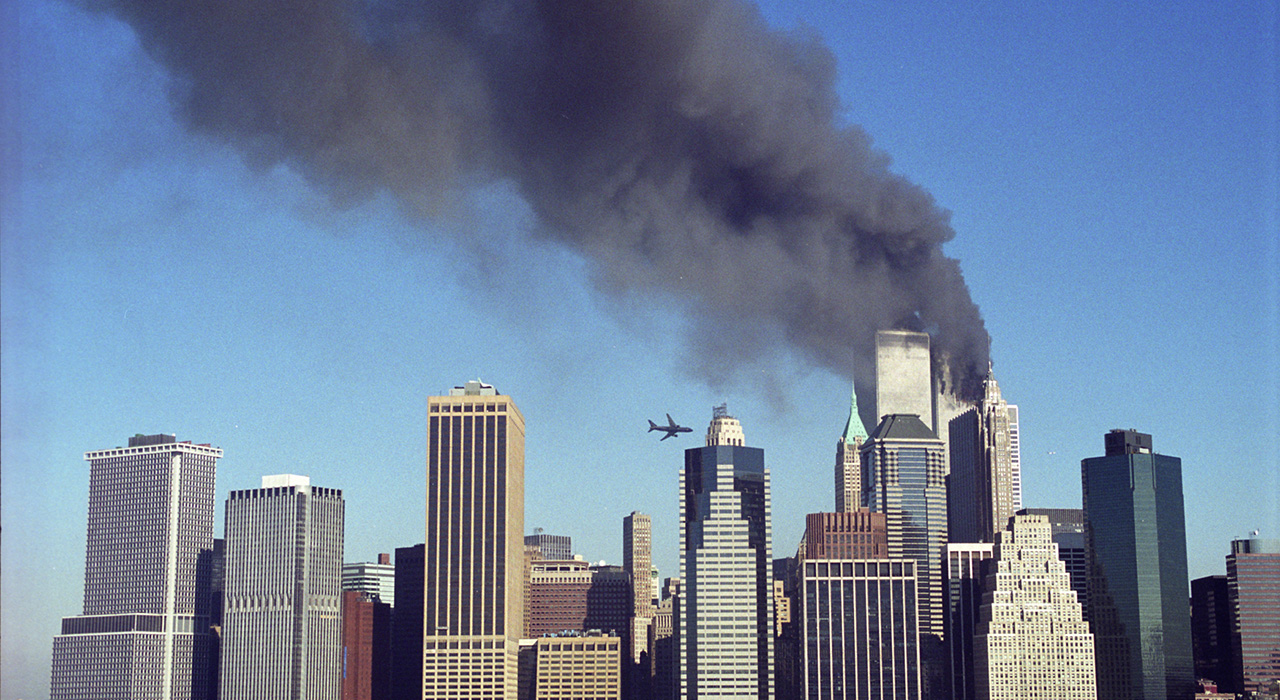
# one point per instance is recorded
(991, 390)
(853, 428)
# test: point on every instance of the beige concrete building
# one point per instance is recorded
(473, 588)
(1031, 642)
(637, 559)
(578, 668)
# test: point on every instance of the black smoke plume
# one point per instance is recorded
(681, 146)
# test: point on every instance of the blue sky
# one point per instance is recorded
(1111, 173)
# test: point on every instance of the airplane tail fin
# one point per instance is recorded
(652, 426)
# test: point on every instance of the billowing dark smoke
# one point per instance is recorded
(681, 145)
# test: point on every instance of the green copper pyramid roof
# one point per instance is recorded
(853, 428)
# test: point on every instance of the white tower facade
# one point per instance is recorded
(1031, 641)
(144, 634)
(282, 614)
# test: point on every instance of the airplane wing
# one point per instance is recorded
(671, 422)
(664, 437)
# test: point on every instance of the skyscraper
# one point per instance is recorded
(1211, 643)
(144, 633)
(860, 630)
(637, 560)
(904, 376)
(966, 571)
(1137, 548)
(725, 607)
(406, 624)
(366, 646)
(1253, 587)
(1067, 526)
(849, 460)
(474, 559)
(904, 478)
(1031, 642)
(282, 624)
(983, 490)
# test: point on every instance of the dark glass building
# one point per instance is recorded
(406, 624)
(1136, 543)
(1211, 631)
(904, 476)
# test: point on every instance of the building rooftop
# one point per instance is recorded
(902, 426)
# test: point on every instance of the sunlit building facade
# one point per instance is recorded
(144, 634)
(473, 589)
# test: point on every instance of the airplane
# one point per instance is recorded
(671, 428)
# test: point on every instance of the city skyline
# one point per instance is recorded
(1112, 200)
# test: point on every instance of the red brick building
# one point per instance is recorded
(857, 534)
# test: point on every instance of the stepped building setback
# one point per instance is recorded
(1031, 642)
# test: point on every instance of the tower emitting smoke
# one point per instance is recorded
(680, 146)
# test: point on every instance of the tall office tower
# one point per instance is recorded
(725, 607)
(981, 489)
(1137, 547)
(406, 624)
(1253, 586)
(860, 632)
(473, 589)
(904, 376)
(557, 547)
(145, 629)
(282, 624)
(571, 667)
(637, 559)
(366, 646)
(849, 460)
(904, 478)
(1015, 453)
(376, 578)
(966, 571)
(857, 534)
(1211, 642)
(1032, 643)
(1067, 526)
(217, 581)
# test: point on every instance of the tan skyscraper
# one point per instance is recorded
(1031, 642)
(473, 585)
(848, 463)
(984, 487)
(637, 559)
